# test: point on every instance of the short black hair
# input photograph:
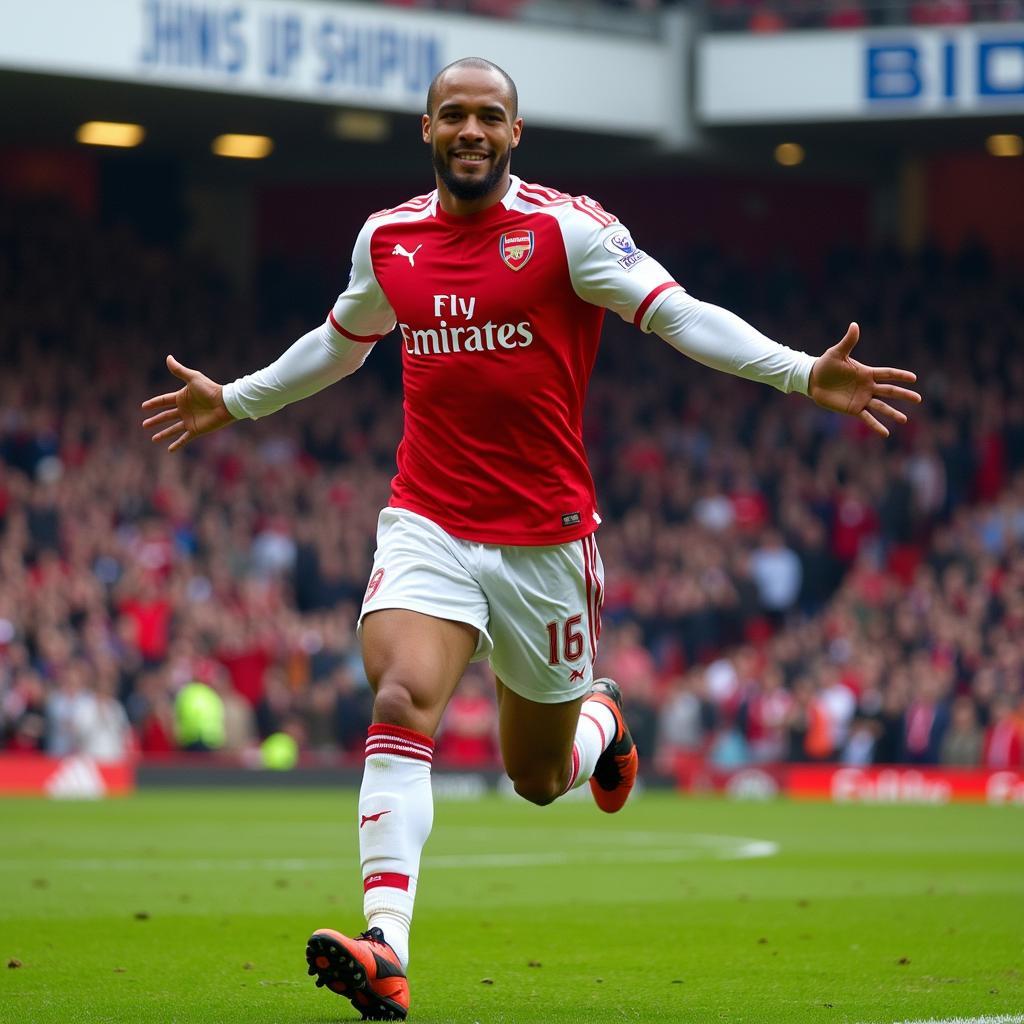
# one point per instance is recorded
(475, 62)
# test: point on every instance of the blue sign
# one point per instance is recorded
(927, 71)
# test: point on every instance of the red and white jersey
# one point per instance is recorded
(499, 315)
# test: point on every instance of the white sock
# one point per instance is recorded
(594, 731)
(396, 811)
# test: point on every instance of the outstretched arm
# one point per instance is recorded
(720, 339)
(316, 360)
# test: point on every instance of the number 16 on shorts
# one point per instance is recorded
(565, 640)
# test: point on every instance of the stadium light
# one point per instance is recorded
(789, 154)
(1005, 145)
(110, 133)
(361, 126)
(243, 147)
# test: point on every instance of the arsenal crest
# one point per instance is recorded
(516, 248)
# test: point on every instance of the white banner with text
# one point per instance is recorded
(346, 54)
(952, 71)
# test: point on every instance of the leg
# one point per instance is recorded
(537, 743)
(414, 662)
(549, 749)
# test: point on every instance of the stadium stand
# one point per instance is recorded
(780, 585)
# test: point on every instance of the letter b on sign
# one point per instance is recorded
(893, 73)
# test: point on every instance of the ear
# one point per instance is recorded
(425, 126)
(517, 131)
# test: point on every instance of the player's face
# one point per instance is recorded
(471, 132)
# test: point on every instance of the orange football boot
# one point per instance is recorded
(615, 771)
(365, 970)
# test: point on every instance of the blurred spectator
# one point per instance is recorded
(70, 705)
(809, 735)
(962, 744)
(102, 724)
(926, 716)
(1003, 738)
(686, 718)
(766, 711)
(778, 574)
(859, 749)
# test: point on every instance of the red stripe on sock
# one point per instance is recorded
(393, 739)
(604, 739)
(397, 750)
(399, 733)
(389, 879)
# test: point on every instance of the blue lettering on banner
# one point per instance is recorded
(287, 45)
(183, 35)
(914, 73)
(375, 57)
(282, 45)
(1010, 54)
(893, 73)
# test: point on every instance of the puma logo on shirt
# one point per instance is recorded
(400, 250)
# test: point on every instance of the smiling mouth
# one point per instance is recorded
(471, 156)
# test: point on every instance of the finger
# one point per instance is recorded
(174, 428)
(160, 401)
(849, 339)
(180, 369)
(876, 405)
(180, 443)
(870, 420)
(163, 417)
(891, 391)
(889, 374)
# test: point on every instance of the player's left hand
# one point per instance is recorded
(843, 385)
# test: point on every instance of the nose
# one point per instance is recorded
(471, 129)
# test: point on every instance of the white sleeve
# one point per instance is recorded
(608, 270)
(362, 312)
(720, 339)
(317, 359)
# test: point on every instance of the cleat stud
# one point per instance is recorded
(320, 983)
(311, 971)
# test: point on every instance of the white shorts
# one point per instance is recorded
(538, 609)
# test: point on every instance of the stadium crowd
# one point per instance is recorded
(780, 585)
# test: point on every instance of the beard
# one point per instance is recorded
(473, 188)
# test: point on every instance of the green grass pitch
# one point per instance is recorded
(178, 907)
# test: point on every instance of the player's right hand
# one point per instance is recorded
(198, 408)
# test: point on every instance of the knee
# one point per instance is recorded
(393, 704)
(539, 788)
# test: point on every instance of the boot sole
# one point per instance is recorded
(337, 969)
